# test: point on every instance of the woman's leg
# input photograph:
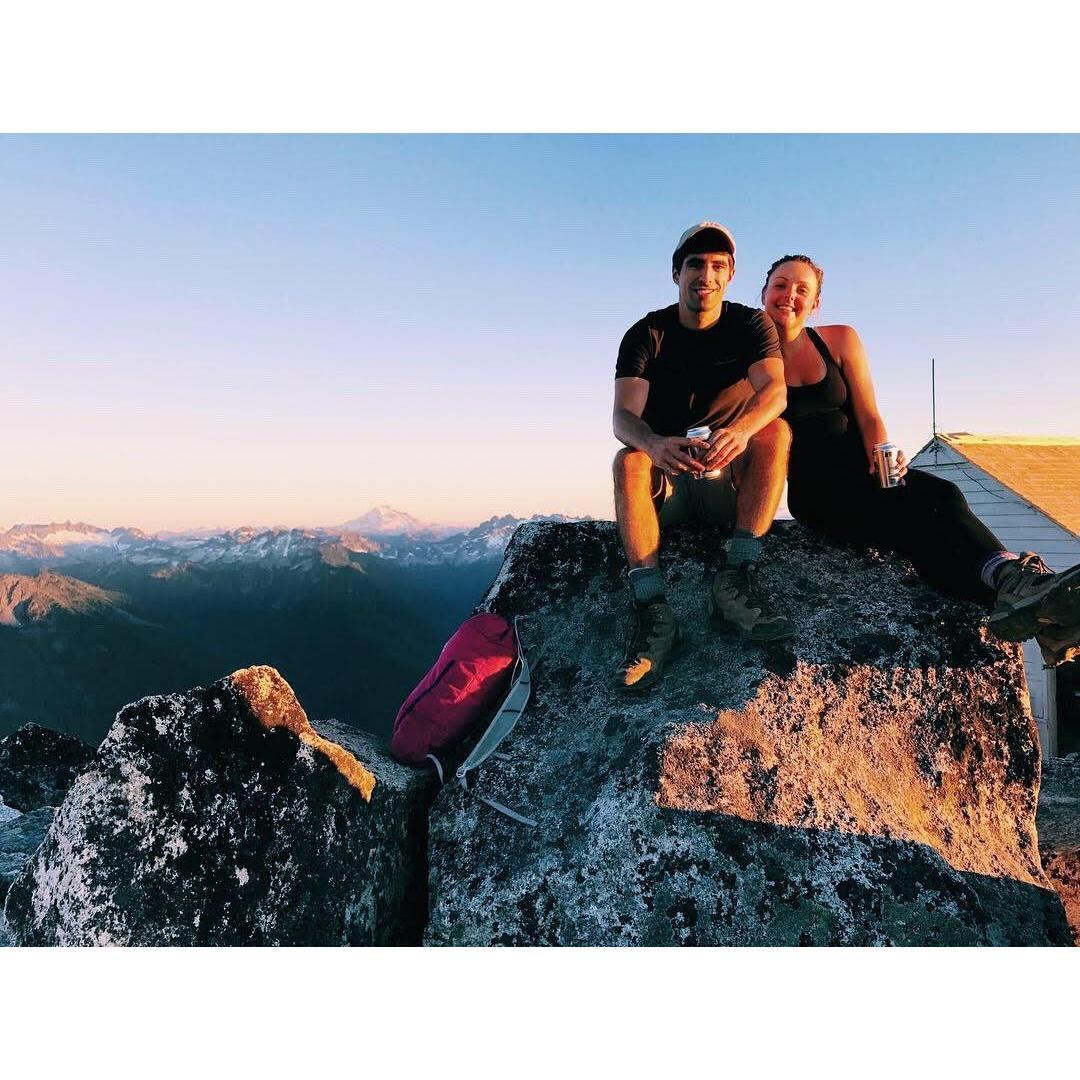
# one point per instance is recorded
(931, 524)
(841, 507)
(927, 520)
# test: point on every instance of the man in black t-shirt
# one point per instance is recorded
(703, 362)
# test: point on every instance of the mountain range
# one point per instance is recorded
(93, 618)
(384, 532)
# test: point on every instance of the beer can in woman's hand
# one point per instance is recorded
(887, 464)
(702, 433)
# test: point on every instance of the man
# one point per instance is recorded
(702, 362)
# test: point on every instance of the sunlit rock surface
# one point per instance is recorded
(874, 782)
(222, 817)
(1059, 832)
(38, 765)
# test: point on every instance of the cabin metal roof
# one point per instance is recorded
(1042, 470)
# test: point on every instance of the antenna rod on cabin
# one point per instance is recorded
(933, 398)
(933, 408)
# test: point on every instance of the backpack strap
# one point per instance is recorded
(508, 812)
(438, 767)
(502, 723)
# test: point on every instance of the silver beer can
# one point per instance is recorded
(702, 433)
(886, 464)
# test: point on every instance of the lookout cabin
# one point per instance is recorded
(1026, 490)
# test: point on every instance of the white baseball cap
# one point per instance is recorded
(727, 241)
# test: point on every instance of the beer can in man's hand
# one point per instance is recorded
(702, 433)
(887, 464)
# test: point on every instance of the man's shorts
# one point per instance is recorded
(686, 499)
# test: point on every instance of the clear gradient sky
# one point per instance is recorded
(216, 331)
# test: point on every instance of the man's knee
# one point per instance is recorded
(773, 439)
(769, 447)
(632, 468)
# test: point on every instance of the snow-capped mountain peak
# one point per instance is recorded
(386, 521)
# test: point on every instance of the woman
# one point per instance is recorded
(832, 487)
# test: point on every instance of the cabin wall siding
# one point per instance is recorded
(1020, 527)
(1041, 687)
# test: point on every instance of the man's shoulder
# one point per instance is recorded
(660, 319)
(645, 336)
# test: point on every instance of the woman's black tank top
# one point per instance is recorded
(825, 432)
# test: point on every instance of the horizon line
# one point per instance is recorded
(264, 527)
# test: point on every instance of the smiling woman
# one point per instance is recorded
(833, 487)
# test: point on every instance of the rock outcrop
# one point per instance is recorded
(221, 816)
(20, 837)
(873, 782)
(1059, 832)
(38, 765)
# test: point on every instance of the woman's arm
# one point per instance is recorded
(850, 353)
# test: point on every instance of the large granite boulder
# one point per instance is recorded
(222, 817)
(1058, 822)
(20, 837)
(38, 765)
(873, 782)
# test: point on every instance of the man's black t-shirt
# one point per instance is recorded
(696, 376)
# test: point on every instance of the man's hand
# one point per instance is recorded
(725, 445)
(670, 453)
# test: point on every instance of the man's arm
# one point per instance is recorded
(666, 452)
(769, 401)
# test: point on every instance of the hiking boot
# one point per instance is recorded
(655, 640)
(1058, 644)
(1030, 594)
(737, 606)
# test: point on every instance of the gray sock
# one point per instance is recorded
(647, 583)
(744, 547)
(989, 569)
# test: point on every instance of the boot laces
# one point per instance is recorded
(752, 588)
(1033, 564)
(646, 623)
(1029, 573)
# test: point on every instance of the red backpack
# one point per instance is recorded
(466, 685)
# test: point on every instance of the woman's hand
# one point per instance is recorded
(901, 460)
(901, 465)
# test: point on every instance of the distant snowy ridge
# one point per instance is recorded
(62, 538)
(389, 534)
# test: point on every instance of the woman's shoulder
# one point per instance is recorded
(837, 332)
(839, 338)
